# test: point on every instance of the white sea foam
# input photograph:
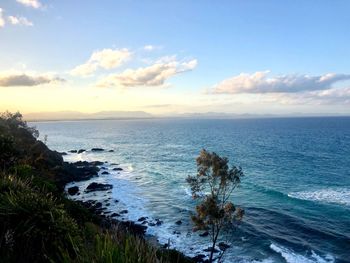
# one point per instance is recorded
(329, 195)
(292, 257)
(132, 199)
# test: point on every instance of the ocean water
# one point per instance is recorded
(296, 189)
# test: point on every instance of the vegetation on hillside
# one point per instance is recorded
(39, 224)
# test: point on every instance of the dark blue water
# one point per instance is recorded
(296, 192)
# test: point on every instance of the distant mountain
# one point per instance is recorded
(76, 115)
(224, 115)
(221, 115)
(102, 115)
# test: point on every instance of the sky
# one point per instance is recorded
(168, 57)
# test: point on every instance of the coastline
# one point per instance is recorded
(52, 227)
(118, 212)
(101, 203)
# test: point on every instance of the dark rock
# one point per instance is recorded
(81, 151)
(179, 222)
(73, 151)
(223, 246)
(81, 163)
(116, 201)
(63, 153)
(103, 168)
(115, 214)
(136, 229)
(105, 172)
(159, 222)
(199, 258)
(124, 211)
(114, 164)
(111, 151)
(80, 171)
(108, 204)
(142, 219)
(117, 169)
(209, 250)
(204, 234)
(73, 190)
(176, 233)
(97, 150)
(98, 187)
(96, 163)
(151, 224)
(98, 205)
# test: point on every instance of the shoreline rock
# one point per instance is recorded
(97, 149)
(73, 190)
(98, 187)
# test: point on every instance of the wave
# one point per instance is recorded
(292, 257)
(337, 196)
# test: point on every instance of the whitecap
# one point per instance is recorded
(329, 195)
(292, 257)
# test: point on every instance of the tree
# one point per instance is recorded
(213, 186)
(15, 121)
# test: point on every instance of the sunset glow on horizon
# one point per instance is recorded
(169, 58)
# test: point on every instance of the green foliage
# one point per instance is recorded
(24, 171)
(39, 224)
(215, 210)
(15, 121)
(35, 223)
(119, 247)
(7, 151)
(80, 214)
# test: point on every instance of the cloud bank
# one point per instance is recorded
(106, 59)
(151, 76)
(30, 3)
(13, 20)
(19, 21)
(23, 79)
(333, 96)
(259, 82)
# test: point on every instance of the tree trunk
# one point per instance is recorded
(213, 247)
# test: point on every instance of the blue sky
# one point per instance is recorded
(295, 45)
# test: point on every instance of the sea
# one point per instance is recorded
(295, 192)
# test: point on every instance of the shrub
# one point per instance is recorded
(35, 227)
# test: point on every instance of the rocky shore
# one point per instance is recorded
(110, 218)
(87, 171)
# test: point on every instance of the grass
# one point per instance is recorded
(39, 224)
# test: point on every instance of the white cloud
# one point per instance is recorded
(106, 59)
(2, 20)
(333, 96)
(31, 3)
(151, 76)
(19, 21)
(84, 69)
(149, 47)
(12, 79)
(152, 47)
(258, 82)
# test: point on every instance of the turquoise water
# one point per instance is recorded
(296, 192)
